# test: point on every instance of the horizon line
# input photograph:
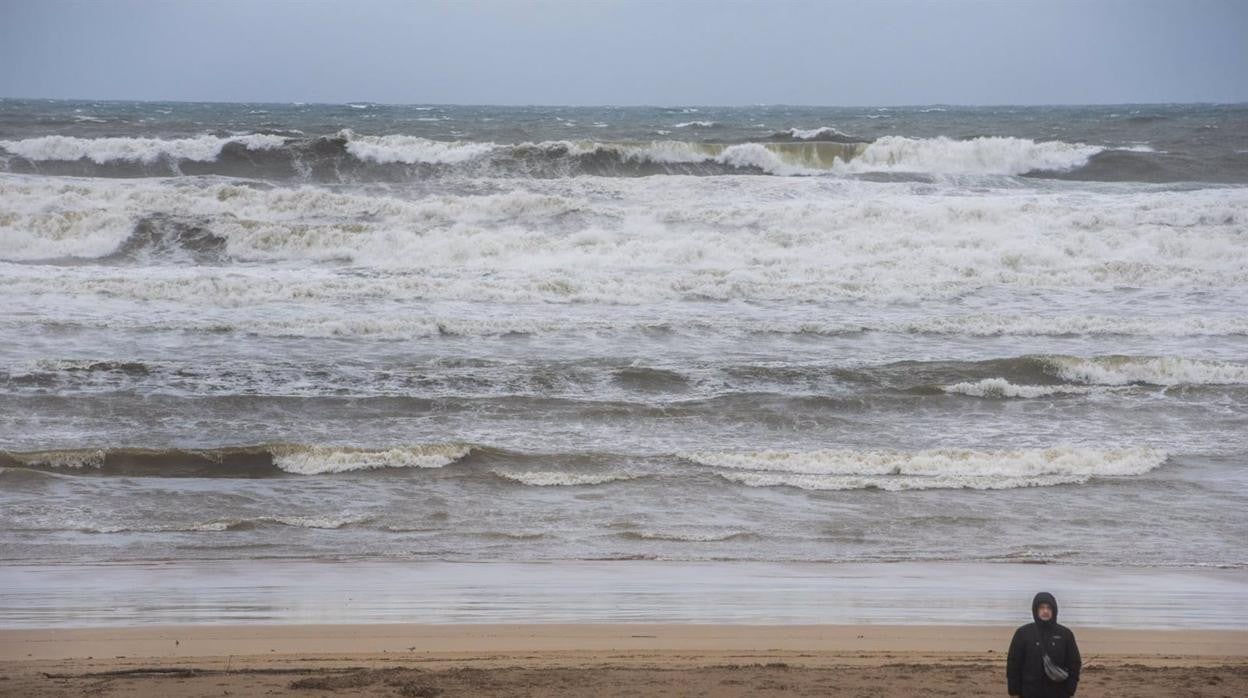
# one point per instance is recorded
(536, 105)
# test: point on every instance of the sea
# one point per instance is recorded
(690, 338)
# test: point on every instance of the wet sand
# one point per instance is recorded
(594, 660)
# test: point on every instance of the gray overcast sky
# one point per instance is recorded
(629, 52)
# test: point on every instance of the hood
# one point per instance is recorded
(1043, 597)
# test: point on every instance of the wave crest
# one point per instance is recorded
(1001, 388)
(318, 460)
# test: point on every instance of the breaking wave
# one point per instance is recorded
(347, 156)
(933, 469)
(816, 470)
(1084, 375)
(1128, 370)
(242, 461)
(985, 155)
(143, 150)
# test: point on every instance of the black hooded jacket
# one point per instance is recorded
(1024, 669)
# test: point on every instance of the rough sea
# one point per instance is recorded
(514, 334)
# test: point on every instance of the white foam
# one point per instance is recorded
(318, 460)
(1125, 370)
(933, 469)
(146, 150)
(695, 124)
(986, 155)
(717, 238)
(1001, 388)
(557, 478)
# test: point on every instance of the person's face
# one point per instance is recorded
(1045, 612)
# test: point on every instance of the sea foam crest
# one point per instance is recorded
(931, 469)
(73, 459)
(556, 478)
(318, 460)
(146, 150)
(1002, 388)
(985, 155)
(810, 134)
(1162, 370)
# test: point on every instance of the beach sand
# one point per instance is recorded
(595, 660)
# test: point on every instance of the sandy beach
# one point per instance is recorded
(619, 659)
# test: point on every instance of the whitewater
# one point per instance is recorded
(763, 334)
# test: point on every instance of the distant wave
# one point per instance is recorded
(696, 124)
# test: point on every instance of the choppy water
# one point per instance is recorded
(461, 333)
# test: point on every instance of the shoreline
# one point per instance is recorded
(594, 659)
(308, 592)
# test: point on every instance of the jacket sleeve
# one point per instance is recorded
(1014, 664)
(1074, 663)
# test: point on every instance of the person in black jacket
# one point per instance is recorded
(1024, 668)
